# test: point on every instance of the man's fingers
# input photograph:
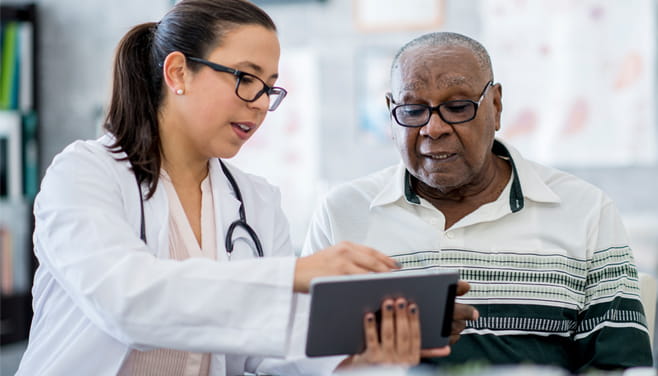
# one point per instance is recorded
(462, 287)
(465, 312)
(438, 352)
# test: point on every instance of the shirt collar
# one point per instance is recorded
(526, 184)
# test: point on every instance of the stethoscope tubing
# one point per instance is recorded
(241, 222)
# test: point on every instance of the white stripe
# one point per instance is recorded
(612, 325)
(543, 303)
(513, 332)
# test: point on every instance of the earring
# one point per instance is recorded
(179, 92)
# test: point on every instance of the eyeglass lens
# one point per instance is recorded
(452, 112)
(250, 88)
(458, 111)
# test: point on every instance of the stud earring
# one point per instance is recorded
(179, 92)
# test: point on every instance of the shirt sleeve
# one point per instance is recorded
(319, 235)
(612, 329)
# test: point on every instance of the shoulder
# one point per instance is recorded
(85, 167)
(87, 152)
(570, 188)
(537, 180)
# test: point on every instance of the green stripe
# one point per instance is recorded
(489, 349)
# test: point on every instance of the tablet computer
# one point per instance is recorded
(338, 306)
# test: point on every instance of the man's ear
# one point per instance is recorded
(173, 71)
(498, 103)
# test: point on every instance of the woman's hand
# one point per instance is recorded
(398, 339)
(342, 258)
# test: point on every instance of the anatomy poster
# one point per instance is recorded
(578, 78)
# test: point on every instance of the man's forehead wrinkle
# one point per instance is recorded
(444, 81)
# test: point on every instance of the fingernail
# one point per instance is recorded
(398, 264)
(401, 305)
(370, 318)
(389, 307)
(413, 310)
(476, 314)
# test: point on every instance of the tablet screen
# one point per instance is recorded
(338, 306)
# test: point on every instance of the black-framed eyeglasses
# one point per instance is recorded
(248, 87)
(452, 112)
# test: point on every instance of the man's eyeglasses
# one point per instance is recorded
(248, 87)
(451, 112)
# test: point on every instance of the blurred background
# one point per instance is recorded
(578, 77)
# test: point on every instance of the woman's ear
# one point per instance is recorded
(173, 71)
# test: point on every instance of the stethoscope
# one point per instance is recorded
(240, 222)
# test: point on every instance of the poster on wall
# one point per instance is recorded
(284, 150)
(578, 79)
(395, 15)
(372, 83)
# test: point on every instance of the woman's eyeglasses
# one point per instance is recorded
(248, 87)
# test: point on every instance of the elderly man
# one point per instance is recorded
(546, 254)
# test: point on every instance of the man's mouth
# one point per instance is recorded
(440, 156)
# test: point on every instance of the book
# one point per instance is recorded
(8, 73)
(4, 167)
(10, 129)
(30, 155)
(6, 262)
(25, 101)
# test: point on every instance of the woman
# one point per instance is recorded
(138, 233)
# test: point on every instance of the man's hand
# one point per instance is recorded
(461, 313)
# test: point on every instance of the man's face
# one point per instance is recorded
(443, 156)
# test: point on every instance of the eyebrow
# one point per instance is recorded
(255, 68)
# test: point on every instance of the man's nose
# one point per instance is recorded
(436, 127)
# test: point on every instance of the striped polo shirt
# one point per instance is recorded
(549, 263)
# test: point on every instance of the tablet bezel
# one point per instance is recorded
(339, 303)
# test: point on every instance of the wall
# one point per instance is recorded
(78, 39)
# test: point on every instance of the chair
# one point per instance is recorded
(648, 297)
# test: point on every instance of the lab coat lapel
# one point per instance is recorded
(226, 205)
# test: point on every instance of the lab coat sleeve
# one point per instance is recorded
(296, 362)
(83, 239)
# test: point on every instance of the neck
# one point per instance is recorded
(180, 158)
(183, 165)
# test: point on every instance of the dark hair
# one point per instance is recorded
(193, 27)
(445, 38)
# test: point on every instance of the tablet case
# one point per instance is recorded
(338, 306)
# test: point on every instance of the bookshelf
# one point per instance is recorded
(19, 170)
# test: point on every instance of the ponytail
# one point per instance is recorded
(132, 115)
(193, 27)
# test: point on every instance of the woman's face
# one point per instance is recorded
(209, 119)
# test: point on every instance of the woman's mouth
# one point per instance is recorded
(243, 130)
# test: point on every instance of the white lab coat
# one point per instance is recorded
(100, 292)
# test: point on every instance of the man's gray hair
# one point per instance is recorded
(443, 38)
